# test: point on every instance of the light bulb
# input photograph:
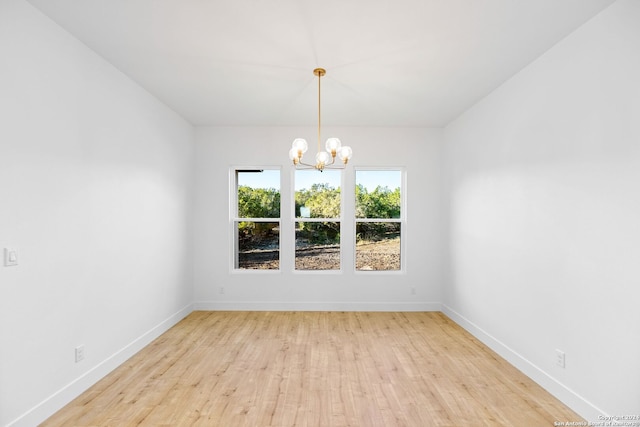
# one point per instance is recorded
(300, 145)
(345, 154)
(293, 155)
(333, 145)
(322, 158)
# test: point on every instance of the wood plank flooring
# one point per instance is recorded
(314, 369)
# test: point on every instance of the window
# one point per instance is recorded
(377, 206)
(317, 213)
(379, 219)
(256, 223)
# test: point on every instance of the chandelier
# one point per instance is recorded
(324, 159)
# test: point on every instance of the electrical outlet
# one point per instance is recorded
(10, 257)
(413, 290)
(221, 290)
(79, 353)
(560, 358)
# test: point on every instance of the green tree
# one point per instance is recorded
(323, 201)
(380, 203)
(258, 202)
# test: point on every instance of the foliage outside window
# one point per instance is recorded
(257, 221)
(378, 211)
(317, 212)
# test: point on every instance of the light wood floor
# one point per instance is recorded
(315, 369)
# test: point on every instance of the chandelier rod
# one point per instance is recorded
(319, 72)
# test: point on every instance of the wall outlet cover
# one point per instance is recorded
(10, 257)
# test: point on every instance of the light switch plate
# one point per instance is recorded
(10, 257)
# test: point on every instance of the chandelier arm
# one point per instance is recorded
(305, 164)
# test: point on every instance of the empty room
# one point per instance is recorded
(338, 213)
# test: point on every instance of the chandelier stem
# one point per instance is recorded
(319, 74)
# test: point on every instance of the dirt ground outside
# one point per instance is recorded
(370, 256)
(376, 256)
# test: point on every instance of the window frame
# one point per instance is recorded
(339, 220)
(234, 218)
(402, 220)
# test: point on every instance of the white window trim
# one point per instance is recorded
(402, 220)
(340, 219)
(346, 219)
(233, 218)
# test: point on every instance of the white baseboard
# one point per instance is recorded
(62, 397)
(316, 306)
(567, 396)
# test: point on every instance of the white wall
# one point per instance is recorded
(543, 185)
(218, 149)
(95, 193)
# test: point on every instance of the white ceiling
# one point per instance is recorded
(389, 62)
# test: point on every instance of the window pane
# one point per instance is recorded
(258, 245)
(258, 194)
(377, 246)
(378, 194)
(317, 245)
(317, 194)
